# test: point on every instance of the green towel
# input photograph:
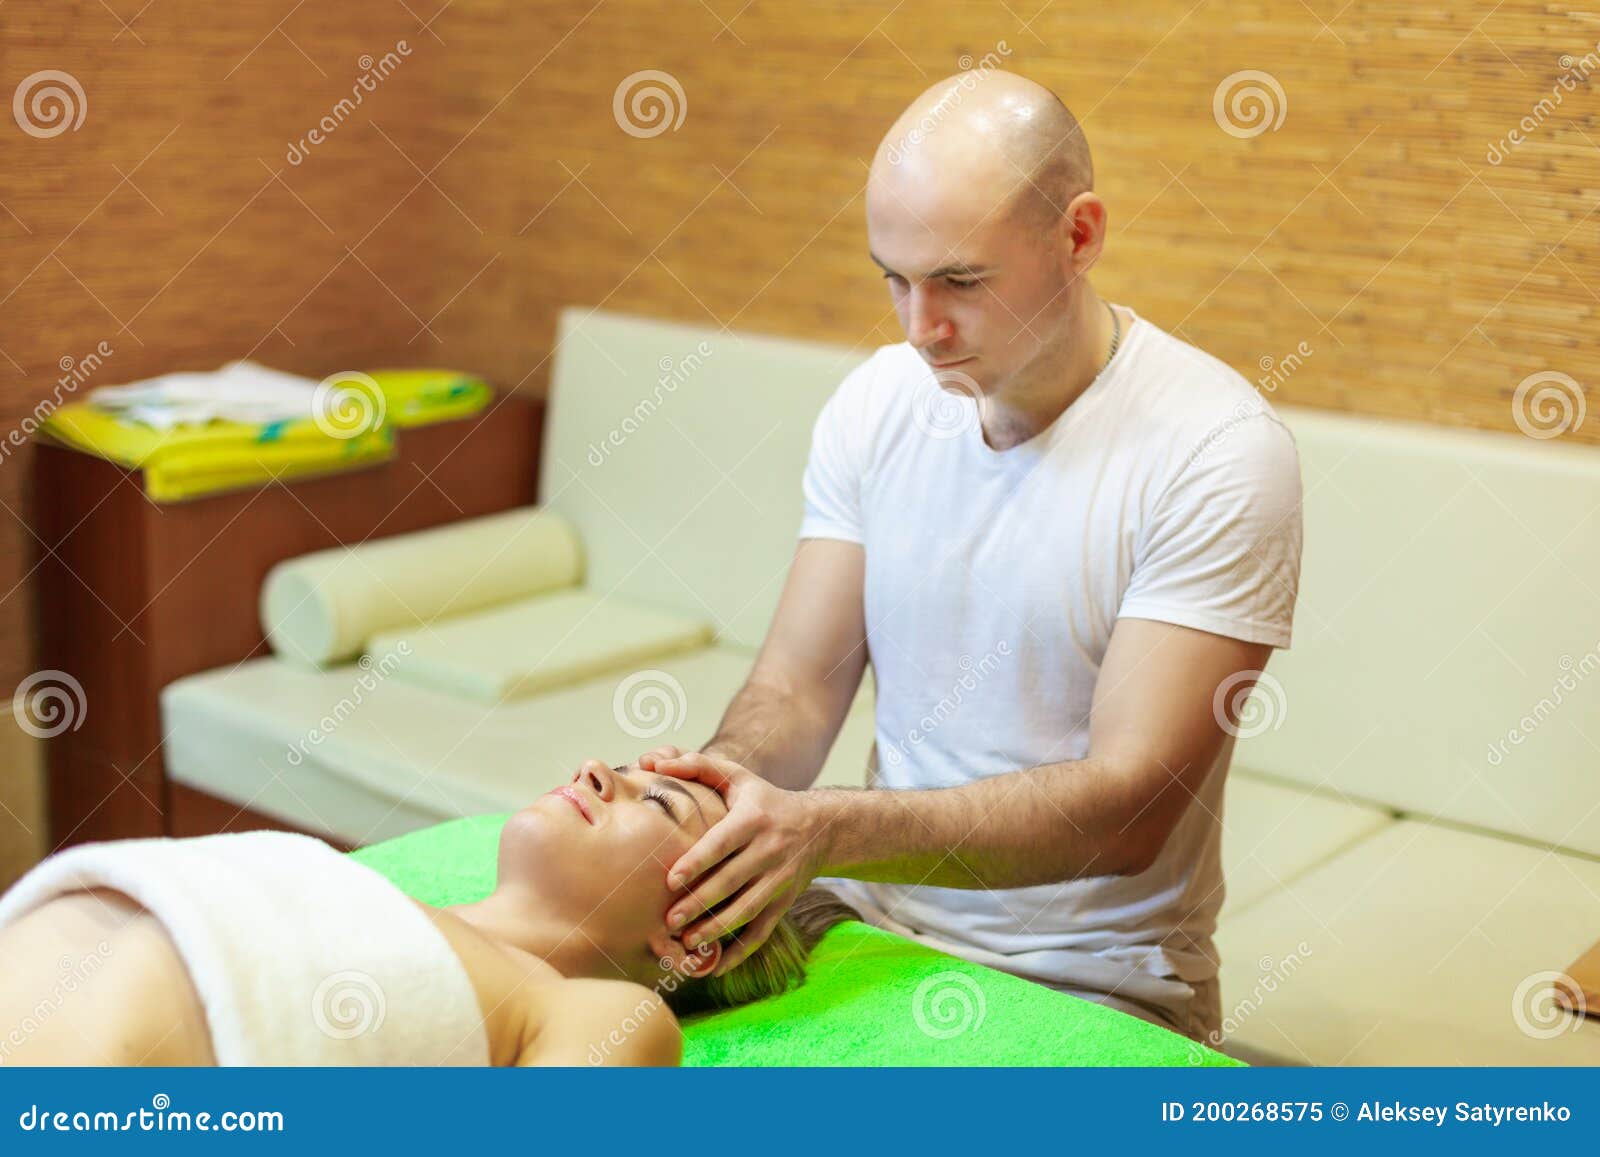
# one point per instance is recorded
(870, 998)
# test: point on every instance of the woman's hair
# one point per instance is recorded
(775, 967)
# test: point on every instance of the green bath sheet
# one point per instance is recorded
(870, 998)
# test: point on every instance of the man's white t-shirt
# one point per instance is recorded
(1167, 490)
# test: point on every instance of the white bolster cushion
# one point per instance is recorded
(322, 608)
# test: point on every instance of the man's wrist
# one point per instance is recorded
(827, 823)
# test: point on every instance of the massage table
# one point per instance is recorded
(871, 998)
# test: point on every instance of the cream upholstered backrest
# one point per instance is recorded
(1446, 651)
(678, 452)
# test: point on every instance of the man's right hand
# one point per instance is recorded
(647, 761)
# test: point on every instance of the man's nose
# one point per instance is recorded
(925, 326)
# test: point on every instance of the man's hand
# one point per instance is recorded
(763, 854)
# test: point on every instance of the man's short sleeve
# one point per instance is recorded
(832, 482)
(1222, 551)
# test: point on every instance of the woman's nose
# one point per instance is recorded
(598, 777)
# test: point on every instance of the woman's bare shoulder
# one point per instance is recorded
(535, 1016)
(589, 1021)
(503, 979)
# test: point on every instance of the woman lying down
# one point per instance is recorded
(269, 948)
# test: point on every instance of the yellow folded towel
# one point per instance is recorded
(417, 397)
(192, 460)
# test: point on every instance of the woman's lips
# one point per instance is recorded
(575, 800)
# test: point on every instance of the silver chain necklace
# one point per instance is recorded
(1116, 336)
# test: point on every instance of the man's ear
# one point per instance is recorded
(693, 963)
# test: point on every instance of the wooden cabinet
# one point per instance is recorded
(134, 594)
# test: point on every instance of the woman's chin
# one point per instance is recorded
(533, 833)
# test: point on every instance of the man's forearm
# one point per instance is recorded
(1044, 825)
(774, 733)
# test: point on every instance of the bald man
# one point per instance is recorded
(1067, 542)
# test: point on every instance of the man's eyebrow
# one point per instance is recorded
(955, 268)
(671, 784)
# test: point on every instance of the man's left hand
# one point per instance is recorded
(763, 853)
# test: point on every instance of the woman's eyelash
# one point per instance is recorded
(660, 798)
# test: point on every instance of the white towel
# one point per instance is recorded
(301, 955)
(242, 391)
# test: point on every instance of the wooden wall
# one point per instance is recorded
(485, 182)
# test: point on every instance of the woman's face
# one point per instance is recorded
(595, 853)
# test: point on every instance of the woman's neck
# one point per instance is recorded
(512, 919)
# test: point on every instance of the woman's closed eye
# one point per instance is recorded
(660, 798)
(661, 793)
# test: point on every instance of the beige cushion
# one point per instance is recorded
(323, 607)
(1273, 833)
(363, 756)
(1450, 594)
(535, 644)
(1419, 945)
